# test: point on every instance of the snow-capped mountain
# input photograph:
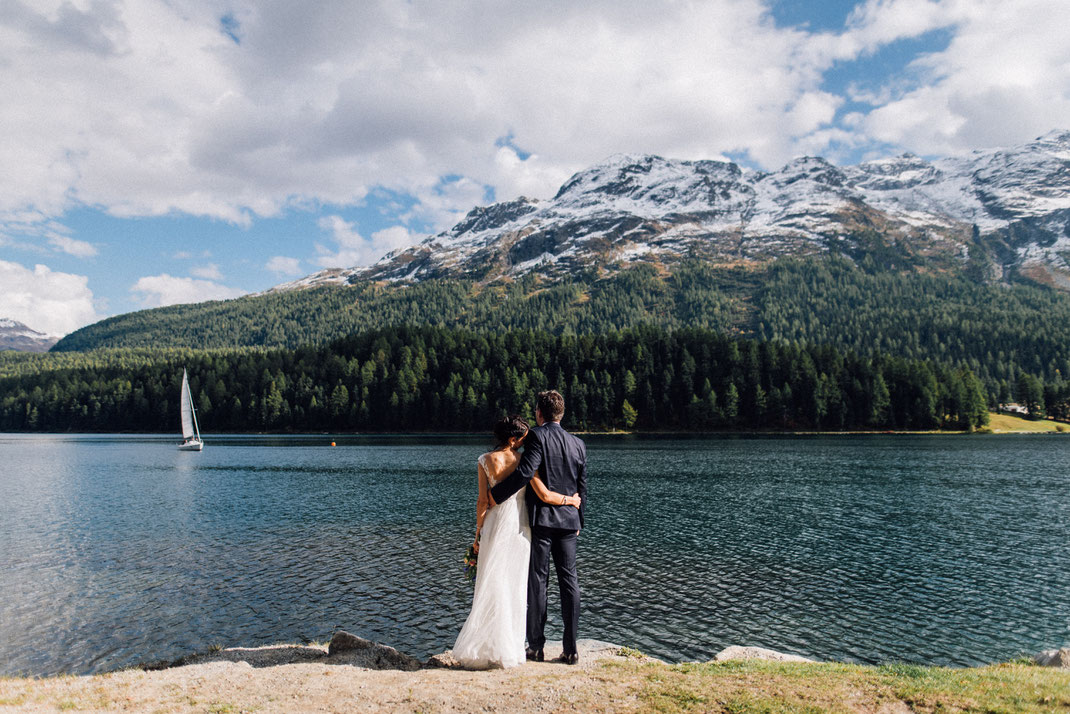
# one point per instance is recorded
(20, 338)
(1009, 209)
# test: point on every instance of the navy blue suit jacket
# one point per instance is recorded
(560, 460)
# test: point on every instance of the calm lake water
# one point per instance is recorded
(116, 550)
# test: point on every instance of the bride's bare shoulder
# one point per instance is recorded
(497, 460)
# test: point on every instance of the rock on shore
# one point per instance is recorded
(1054, 658)
(737, 652)
(348, 649)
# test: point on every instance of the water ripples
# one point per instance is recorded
(944, 550)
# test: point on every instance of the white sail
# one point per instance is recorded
(187, 409)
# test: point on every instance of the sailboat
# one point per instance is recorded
(191, 434)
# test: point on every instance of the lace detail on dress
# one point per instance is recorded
(485, 463)
(486, 469)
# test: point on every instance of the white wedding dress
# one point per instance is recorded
(493, 634)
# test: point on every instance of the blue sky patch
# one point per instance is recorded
(887, 69)
(229, 26)
(815, 16)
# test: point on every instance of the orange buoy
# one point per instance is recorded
(333, 444)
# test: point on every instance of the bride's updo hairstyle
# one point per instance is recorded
(508, 428)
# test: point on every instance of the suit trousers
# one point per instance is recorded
(560, 544)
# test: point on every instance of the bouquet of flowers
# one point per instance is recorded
(471, 558)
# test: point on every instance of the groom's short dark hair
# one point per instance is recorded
(551, 405)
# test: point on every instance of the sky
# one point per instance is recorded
(155, 152)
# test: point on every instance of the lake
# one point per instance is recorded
(117, 550)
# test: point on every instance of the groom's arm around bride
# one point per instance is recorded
(560, 460)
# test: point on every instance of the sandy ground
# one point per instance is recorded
(304, 679)
(357, 675)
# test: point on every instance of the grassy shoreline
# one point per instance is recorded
(755, 686)
(999, 423)
(619, 680)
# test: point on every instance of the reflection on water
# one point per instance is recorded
(951, 550)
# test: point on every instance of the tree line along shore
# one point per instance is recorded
(438, 379)
(905, 322)
(865, 304)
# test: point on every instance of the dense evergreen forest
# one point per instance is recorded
(998, 332)
(695, 296)
(428, 378)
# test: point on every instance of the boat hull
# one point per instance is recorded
(191, 446)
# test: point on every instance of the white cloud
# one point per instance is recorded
(208, 272)
(878, 22)
(164, 289)
(531, 177)
(24, 227)
(187, 255)
(71, 246)
(45, 300)
(443, 205)
(352, 249)
(393, 238)
(147, 107)
(283, 266)
(1004, 77)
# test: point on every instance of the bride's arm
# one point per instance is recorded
(482, 503)
(552, 497)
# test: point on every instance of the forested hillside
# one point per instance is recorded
(695, 296)
(437, 379)
(996, 331)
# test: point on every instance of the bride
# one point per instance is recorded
(493, 634)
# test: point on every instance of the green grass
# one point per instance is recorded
(630, 653)
(1010, 424)
(769, 687)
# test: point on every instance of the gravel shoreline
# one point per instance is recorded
(289, 678)
(354, 674)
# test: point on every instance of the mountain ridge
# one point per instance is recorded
(950, 260)
(17, 337)
(1002, 212)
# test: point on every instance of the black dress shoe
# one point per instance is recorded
(573, 658)
(535, 655)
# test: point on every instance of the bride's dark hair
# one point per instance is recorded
(507, 428)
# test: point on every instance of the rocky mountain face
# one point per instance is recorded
(995, 212)
(20, 338)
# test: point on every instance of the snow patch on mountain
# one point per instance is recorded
(18, 337)
(642, 208)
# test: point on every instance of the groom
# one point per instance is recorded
(560, 459)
